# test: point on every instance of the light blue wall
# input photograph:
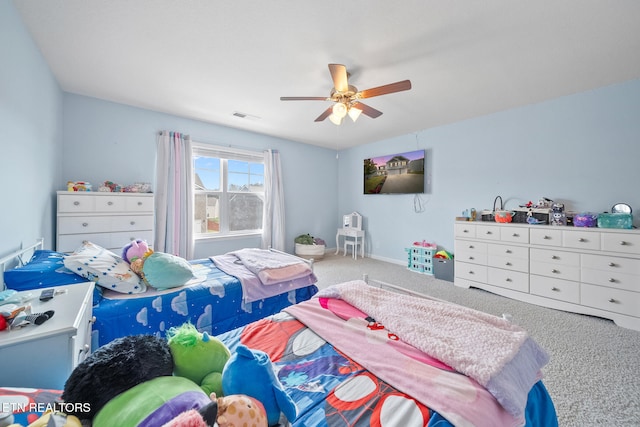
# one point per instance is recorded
(582, 150)
(31, 142)
(109, 141)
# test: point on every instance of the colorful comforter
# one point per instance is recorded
(342, 367)
(213, 302)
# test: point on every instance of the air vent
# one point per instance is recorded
(245, 116)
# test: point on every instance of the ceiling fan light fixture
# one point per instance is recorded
(354, 113)
(335, 119)
(340, 110)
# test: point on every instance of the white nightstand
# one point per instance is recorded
(43, 356)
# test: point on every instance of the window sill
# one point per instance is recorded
(202, 238)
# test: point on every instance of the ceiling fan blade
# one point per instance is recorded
(304, 98)
(325, 114)
(366, 110)
(339, 76)
(383, 90)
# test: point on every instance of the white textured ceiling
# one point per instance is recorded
(206, 59)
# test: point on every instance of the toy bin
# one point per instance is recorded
(615, 220)
(443, 269)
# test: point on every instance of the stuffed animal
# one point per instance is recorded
(115, 368)
(250, 372)
(240, 410)
(134, 250)
(198, 357)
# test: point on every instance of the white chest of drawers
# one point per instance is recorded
(110, 220)
(593, 271)
(43, 356)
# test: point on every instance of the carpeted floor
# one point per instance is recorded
(594, 373)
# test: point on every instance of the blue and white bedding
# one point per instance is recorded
(214, 301)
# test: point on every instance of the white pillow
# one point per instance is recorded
(105, 268)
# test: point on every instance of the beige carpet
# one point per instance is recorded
(594, 373)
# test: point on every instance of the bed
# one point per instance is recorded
(321, 350)
(212, 299)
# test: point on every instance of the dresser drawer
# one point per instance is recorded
(133, 222)
(112, 241)
(514, 280)
(78, 224)
(555, 257)
(613, 264)
(556, 271)
(510, 263)
(557, 289)
(617, 280)
(508, 251)
(581, 239)
(488, 232)
(470, 246)
(139, 204)
(514, 234)
(628, 243)
(465, 230)
(477, 273)
(76, 203)
(474, 257)
(615, 300)
(110, 203)
(545, 236)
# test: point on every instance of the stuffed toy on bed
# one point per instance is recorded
(198, 357)
(133, 381)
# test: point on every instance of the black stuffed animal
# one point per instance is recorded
(115, 368)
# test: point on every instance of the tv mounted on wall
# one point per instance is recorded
(401, 173)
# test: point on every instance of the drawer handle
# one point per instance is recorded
(515, 235)
(471, 257)
(508, 279)
(132, 223)
(76, 203)
(613, 300)
(554, 257)
(139, 203)
(623, 243)
(471, 272)
(109, 203)
(554, 289)
(555, 271)
(488, 232)
(612, 264)
(507, 264)
(92, 320)
(508, 251)
(470, 246)
(581, 240)
(546, 237)
(612, 280)
(85, 224)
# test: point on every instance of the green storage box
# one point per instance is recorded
(615, 220)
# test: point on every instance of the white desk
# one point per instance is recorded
(350, 232)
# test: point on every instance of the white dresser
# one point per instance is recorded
(43, 356)
(593, 271)
(110, 220)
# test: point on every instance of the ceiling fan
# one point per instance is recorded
(347, 98)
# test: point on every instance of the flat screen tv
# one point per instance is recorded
(401, 173)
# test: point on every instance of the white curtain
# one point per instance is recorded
(174, 195)
(273, 233)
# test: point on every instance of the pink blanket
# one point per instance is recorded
(456, 397)
(272, 267)
(497, 354)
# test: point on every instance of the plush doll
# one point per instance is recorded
(250, 372)
(135, 253)
(198, 357)
(115, 368)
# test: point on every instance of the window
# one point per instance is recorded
(228, 191)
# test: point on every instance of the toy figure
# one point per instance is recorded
(198, 357)
(558, 216)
